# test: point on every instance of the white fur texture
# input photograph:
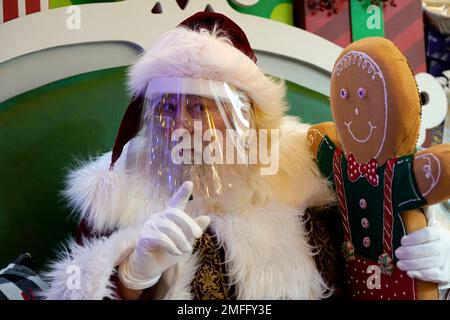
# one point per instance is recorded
(267, 254)
(258, 223)
(97, 193)
(298, 182)
(210, 55)
(94, 263)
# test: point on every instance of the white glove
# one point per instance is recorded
(425, 255)
(165, 237)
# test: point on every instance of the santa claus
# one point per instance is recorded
(203, 194)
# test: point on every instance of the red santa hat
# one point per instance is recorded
(207, 45)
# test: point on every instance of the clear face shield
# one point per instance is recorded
(192, 129)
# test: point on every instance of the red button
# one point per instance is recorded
(366, 242)
(363, 203)
(365, 223)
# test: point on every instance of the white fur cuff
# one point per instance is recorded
(84, 272)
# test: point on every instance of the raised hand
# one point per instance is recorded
(165, 237)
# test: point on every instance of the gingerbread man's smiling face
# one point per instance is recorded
(360, 108)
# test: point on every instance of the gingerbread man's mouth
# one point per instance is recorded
(371, 126)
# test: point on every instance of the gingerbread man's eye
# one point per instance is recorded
(362, 93)
(344, 93)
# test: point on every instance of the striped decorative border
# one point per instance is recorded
(404, 26)
(13, 9)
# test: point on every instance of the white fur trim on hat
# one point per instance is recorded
(201, 54)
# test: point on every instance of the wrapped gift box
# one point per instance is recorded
(438, 52)
(403, 25)
(438, 42)
(331, 23)
(401, 22)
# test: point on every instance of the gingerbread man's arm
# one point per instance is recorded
(317, 132)
(432, 173)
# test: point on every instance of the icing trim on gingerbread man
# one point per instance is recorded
(364, 61)
(428, 170)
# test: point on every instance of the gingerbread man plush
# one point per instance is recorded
(368, 154)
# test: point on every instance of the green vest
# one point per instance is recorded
(365, 202)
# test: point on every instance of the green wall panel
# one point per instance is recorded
(42, 132)
(308, 105)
